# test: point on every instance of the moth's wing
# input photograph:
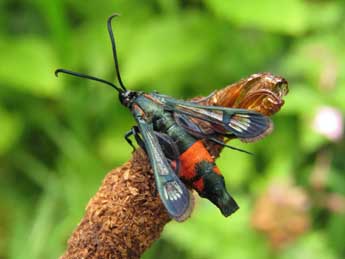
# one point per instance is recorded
(168, 146)
(170, 150)
(244, 124)
(175, 196)
(196, 127)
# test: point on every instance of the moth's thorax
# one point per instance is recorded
(147, 104)
(162, 120)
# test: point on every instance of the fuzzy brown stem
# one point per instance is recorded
(123, 218)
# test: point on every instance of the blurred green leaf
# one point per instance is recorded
(235, 166)
(28, 66)
(109, 147)
(180, 42)
(336, 231)
(209, 235)
(304, 101)
(280, 16)
(10, 128)
(312, 246)
(323, 14)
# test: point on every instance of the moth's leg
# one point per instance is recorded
(127, 137)
(138, 138)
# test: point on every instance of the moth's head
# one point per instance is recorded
(127, 97)
(214, 189)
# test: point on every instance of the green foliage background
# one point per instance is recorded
(58, 137)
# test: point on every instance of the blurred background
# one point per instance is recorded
(59, 137)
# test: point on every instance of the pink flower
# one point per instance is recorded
(329, 122)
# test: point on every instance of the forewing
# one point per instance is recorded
(174, 194)
(244, 124)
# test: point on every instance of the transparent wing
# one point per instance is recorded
(245, 124)
(174, 194)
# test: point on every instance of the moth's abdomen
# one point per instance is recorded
(189, 161)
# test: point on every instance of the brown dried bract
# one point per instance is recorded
(262, 92)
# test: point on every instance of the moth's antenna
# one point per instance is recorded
(113, 46)
(69, 72)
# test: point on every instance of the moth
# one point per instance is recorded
(173, 133)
